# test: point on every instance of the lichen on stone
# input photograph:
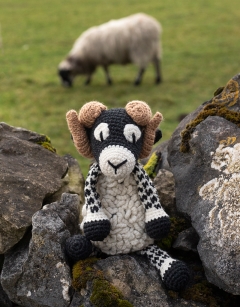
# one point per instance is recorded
(218, 91)
(223, 191)
(227, 95)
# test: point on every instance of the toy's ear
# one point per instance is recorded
(141, 113)
(158, 135)
(77, 125)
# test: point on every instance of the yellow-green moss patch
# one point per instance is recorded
(151, 165)
(44, 141)
(212, 109)
(83, 271)
(104, 294)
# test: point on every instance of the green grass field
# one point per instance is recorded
(200, 53)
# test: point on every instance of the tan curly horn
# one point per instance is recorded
(79, 134)
(139, 112)
(89, 112)
(77, 125)
(149, 135)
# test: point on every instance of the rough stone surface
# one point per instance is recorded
(185, 303)
(36, 274)
(162, 150)
(138, 281)
(77, 300)
(72, 182)
(28, 173)
(165, 185)
(207, 189)
(187, 240)
(125, 272)
(4, 300)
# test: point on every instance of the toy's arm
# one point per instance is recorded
(157, 221)
(96, 225)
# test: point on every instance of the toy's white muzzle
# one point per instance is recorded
(116, 161)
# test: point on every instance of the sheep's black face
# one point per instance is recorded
(66, 78)
(116, 142)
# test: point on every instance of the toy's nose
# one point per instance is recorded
(116, 166)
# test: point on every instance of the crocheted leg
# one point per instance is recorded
(78, 247)
(96, 225)
(174, 273)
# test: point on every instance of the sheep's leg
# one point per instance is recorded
(157, 64)
(108, 78)
(174, 273)
(139, 76)
(88, 80)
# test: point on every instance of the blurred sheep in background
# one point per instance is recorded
(134, 39)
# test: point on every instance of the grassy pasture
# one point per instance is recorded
(200, 53)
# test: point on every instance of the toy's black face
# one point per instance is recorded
(116, 142)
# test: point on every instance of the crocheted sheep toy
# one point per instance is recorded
(122, 211)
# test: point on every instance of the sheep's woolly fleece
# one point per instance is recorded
(138, 34)
(138, 41)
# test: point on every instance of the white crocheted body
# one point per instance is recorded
(122, 205)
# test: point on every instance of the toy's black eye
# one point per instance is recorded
(132, 133)
(101, 132)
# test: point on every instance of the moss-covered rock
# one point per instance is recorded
(83, 272)
(44, 141)
(104, 294)
(178, 224)
(201, 292)
(151, 165)
(224, 98)
(212, 109)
